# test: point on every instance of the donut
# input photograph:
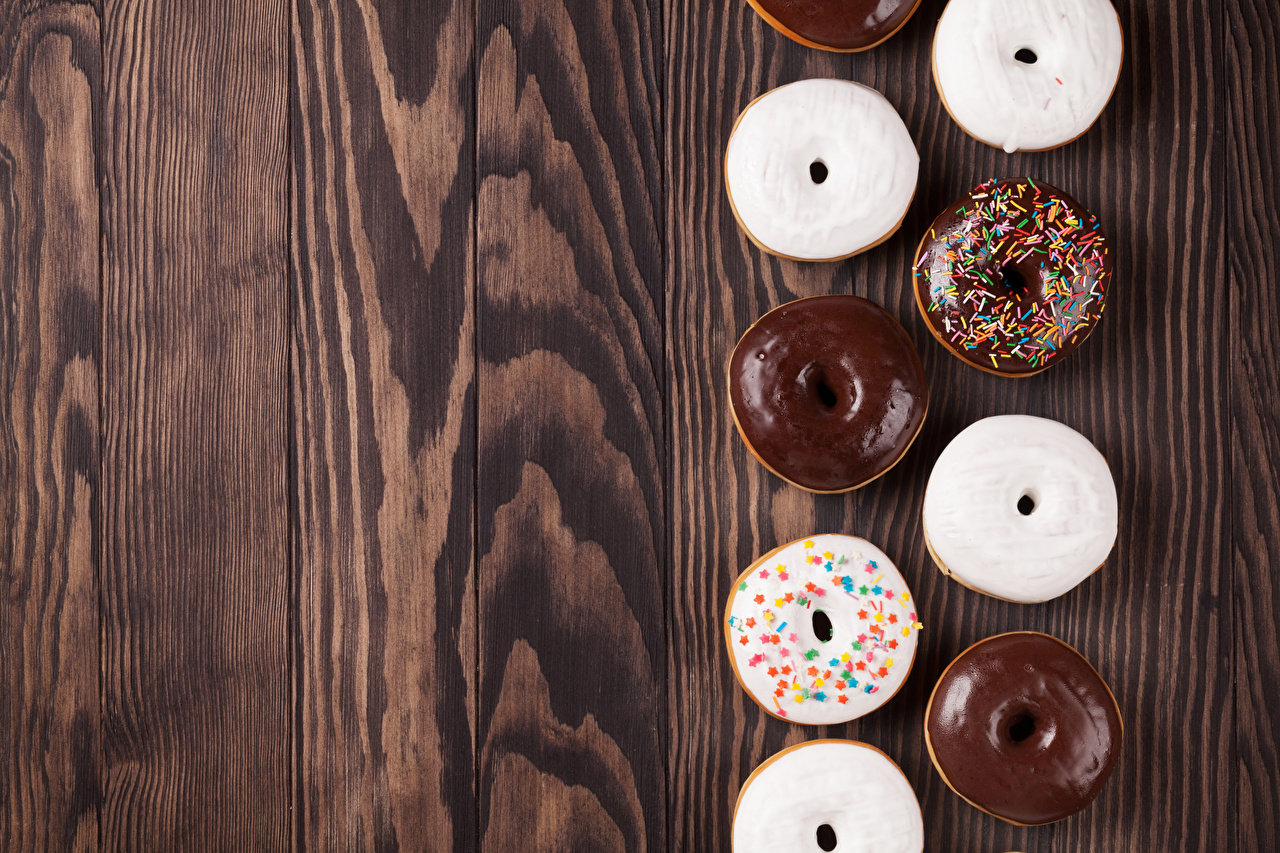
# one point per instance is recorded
(844, 26)
(828, 795)
(821, 630)
(827, 392)
(820, 170)
(1020, 508)
(1027, 75)
(1023, 728)
(1013, 276)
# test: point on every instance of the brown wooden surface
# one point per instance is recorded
(50, 498)
(383, 421)
(194, 569)
(1253, 221)
(366, 475)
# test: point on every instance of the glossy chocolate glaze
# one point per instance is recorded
(828, 391)
(1022, 727)
(999, 237)
(840, 24)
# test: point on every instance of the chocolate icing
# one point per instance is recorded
(1002, 236)
(1022, 727)
(840, 24)
(828, 391)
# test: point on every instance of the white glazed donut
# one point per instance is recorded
(828, 795)
(774, 632)
(976, 519)
(820, 169)
(1027, 74)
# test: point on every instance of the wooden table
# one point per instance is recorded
(366, 476)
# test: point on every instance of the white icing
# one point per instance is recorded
(873, 639)
(1015, 105)
(971, 515)
(854, 789)
(856, 134)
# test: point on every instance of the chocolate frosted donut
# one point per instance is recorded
(1013, 276)
(827, 392)
(1022, 727)
(839, 25)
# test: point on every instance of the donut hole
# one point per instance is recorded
(1026, 56)
(826, 837)
(818, 171)
(1012, 279)
(1026, 503)
(826, 396)
(822, 628)
(1021, 727)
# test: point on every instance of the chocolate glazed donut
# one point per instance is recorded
(1013, 276)
(827, 392)
(839, 25)
(1023, 728)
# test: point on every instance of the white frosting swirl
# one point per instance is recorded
(979, 535)
(852, 133)
(851, 788)
(1016, 105)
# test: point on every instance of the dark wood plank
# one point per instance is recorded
(50, 86)
(1253, 221)
(571, 442)
(1150, 620)
(195, 395)
(383, 424)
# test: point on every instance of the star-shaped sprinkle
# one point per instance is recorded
(759, 599)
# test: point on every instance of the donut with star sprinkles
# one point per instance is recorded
(822, 630)
(1013, 276)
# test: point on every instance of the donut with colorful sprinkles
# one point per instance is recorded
(1013, 276)
(828, 795)
(822, 630)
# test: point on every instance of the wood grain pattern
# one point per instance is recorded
(195, 396)
(1154, 352)
(50, 88)
(571, 449)
(1253, 221)
(383, 424)
(393, 334)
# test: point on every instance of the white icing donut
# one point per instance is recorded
(773, 629)
(1015, 104)
(978, 533)
(853, 790)
(820, 169)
